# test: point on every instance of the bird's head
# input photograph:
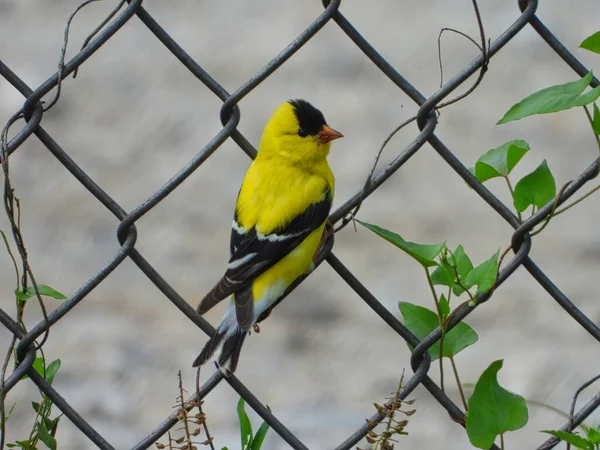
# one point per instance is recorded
(298, 131)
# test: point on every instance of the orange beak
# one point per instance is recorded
(328, 134)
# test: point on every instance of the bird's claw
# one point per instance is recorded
(256, 328)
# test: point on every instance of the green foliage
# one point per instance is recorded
(7, 415)
(538, 188)
(572, 438)
(484, 275)
(43, 290)
(593, 435)
(500, 161)
(444, 306)
(554, 99)
(423, 254)
(421, 322)
(592, 43)
(596, 120)
(249, 441)
(493, 410)
(44, 428)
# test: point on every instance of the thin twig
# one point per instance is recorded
(562, 210)
(484, 64)
(591, 121)
(512, 195)
(440, 49)
(441, 319)
(350, 217)
(63, 51)
(504, 253)
(458, 383)
(199, 404)
(99, 28)
(183, 412)
(553, 212)
(484, 67)
(574, 402)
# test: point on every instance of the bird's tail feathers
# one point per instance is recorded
(225, 346)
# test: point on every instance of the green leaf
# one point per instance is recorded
(443, 275)
(259, 437)
(51, 370)
(421, 322)
(38, 365)
(45, 437)
(245, 425)
(592, 43)
(493, 410)
(42, 289)
(51, 424)
(463, 266)
(538, 188)
(500, 161)
(424, 254)
(35, 406)
(593, 434)
(444, 306)
(571, 438)
(484, 275)
(553, 99)
(7, 416)
(596, 120)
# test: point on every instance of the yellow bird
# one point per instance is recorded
(279, 220)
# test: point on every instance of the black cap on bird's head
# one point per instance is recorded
(312, 122)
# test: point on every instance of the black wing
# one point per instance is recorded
(253, 253)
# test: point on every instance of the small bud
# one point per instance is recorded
(372, 434)
(160, 446)
(370, 440)
(410, 413)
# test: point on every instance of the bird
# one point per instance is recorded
(278, 226)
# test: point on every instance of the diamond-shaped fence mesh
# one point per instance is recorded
(427, 119)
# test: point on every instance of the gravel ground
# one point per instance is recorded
(134, 116)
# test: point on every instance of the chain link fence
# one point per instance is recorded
(427, 119)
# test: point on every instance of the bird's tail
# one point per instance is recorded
(225, 345)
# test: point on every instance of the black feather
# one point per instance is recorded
(310, 118)
(268, 253)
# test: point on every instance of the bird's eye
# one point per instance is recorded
(302, 132)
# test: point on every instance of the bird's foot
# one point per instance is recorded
(256, 328)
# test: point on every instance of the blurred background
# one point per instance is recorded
(134, 116)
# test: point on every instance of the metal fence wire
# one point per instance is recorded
(33, 110)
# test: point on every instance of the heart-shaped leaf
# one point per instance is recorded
(537, 188)
(493, 410)
(484, 275)
(421, 322)
(500, 161)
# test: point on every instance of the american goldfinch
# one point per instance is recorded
(279, 220)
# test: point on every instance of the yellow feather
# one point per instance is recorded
(289, 174)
